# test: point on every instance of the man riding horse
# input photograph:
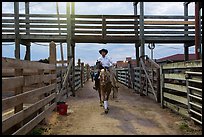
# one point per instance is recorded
(105, 79)
(104, 62)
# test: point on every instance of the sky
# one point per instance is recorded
(88, 52)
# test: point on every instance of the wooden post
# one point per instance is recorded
(87, 72)
(103, 26)
(186, 49)
(197, 30)
(73, 69)
(61, 47)
(79, 62)
(130, 75)
(41, 84)
(68, 32)
(17, 36)
(18, 90)
(27, 55)
(82, 74)
(137, 54)
(52, 58)
(142, 41)
(161, 88)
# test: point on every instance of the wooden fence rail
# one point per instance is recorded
(139, 81)
(101, 28)
(28, 94)
(181, 88)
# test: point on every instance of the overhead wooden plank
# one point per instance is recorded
(86, 31)
(16, 63)
(86, 22)
(179, 99)
(168, 32)
(30, 125)
(11, 83)
(122, 22)
(175, 87)
(21, 115)
(122, 27)
(120, 32)
(87, 27)
(18, 99)
(35, 15)
(165, 17)
(167, 27)
(169, 22)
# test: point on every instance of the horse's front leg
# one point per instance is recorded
(99, 92)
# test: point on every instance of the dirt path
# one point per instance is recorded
(131, 114)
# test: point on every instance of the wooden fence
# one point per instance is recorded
(80, 77)
(99, 28)
(177, 86)
(181, 88)
(144, 79)
(32, 88)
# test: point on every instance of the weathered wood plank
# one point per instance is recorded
(166, 17)
(18, 99)
(121, 22)
(175, 87)
(179, 76)
(29, 80)
(18, 117)
(12, 83)
(30, 125)
(169, 22)
(88, 31)
(16, 63)
(176, 108)
(179, 99)
(178, 65)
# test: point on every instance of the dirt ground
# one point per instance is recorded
(129, 114)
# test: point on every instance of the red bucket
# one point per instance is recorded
(62, 109)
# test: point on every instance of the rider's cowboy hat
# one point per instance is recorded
(104, 50)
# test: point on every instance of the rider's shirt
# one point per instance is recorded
(106, 61)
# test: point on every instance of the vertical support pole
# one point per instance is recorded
(197, 30)
(61, 47)
(142, 41)
(73, 68)
(68, 32)
(79, 62)
(103, 27)
(72, 47)
(136, 44)
(82, 74)
(137, 54)
(161, 87)
(27, 55)
(87, 72)
(17, 37)
(52, 58)
(186, 48)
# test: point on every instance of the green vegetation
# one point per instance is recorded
(37, 131)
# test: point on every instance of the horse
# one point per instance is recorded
(104, 88)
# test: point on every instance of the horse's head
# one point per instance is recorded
(104, 77)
